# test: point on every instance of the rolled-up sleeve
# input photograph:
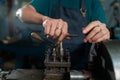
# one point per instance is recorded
(41, 6)
(98, 12)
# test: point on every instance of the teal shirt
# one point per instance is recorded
(94, 8)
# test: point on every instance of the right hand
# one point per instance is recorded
(56, 29)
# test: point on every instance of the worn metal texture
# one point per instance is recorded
(110, 67)
(24, 74)
(113, 48)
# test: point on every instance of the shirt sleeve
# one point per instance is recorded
(98, 12)
(41, 6)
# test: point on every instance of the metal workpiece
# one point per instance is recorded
(3, 74)
(79, 75)
(113, 48)
(25, 74)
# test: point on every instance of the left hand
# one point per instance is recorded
(96, 32)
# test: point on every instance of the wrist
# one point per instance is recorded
(44, 20)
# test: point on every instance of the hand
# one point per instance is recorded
(96, 32)
(56, 28)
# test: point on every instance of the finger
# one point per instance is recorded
(90, 27)
(103, 38)
(102, 32)
(62, 36)
(47, 27)
(64, 32)
(53, 28)
(69, 36)
(57, 33)
(59, 28)
(99, 35)
(92, 34)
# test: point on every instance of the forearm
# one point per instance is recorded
(54, 28)
(29, 15)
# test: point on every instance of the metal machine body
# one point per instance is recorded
(113, 48)
(104, 66)
(57, 63)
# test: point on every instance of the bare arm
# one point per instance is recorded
(29, 15)
(55, 28)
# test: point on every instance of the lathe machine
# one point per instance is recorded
(104, 66)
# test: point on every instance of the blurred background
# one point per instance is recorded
(10, 26)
